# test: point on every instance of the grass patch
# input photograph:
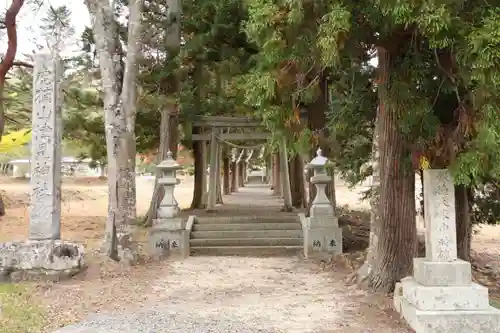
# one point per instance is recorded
(20, 313)
(495, 302)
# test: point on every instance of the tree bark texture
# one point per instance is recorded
(234, 177)
(115, 121)
(297, 182)
(6, 64)
(276, 174)
(241, 168)
(397, 245)
(10, 54)
(330, 191)
(199, 147)
(2, 207)
(218, 197)
(119, 108)
(226, 173)
(199, 172)
(365, 270)
(129, 102)
(464, 225)
(244, 169)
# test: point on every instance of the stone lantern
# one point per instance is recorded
(168, 233)
(321, 205)
(321, 229)
(169, 208)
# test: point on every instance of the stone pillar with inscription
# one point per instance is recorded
(45, 208)
(322, 233)
(168, 234)
(44, 253)
(440, 297)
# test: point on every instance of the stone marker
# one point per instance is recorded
(45, 208)
(321, 229)
(168, 234)
(441, 297)
(44, 253)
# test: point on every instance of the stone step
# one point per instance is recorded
(245, 242)
(292, 218)
(247, 251)
(247, 226)
(247, 234)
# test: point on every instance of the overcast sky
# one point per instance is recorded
(29, 20)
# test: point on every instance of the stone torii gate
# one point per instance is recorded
(218, 129)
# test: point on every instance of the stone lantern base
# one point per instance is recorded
(169, 237)
(322, 235)
(40, 259)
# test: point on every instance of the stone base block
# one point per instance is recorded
(323, 222)
(321, 210)
(440, 298)
(323, 240)
(165, 242)
(431, 273)
(169, 224)
(458, 321)
(46, 259)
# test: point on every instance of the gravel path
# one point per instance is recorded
(237, 294)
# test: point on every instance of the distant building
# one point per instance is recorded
(70, 166)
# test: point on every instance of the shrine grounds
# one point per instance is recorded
(272, 294)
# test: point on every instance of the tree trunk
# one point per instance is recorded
(365, 270)
(397, 246)
(6, 64)
(240, 174)
(226, 173)
(199, 172)
(295, 192)
(464, 225)
(2, 207)
(168, 142)
(234, 177)
(316, 119)
(218, 199)
(115, 122)
(244, 168)
(129, 103)
(199, 147)
(276, 174)
(119, 113)
(296, 181)
(330, 191)
(10, 55)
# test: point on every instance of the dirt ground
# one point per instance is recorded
(291, 295)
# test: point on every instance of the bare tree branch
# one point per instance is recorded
(22, 64)
(10, 55)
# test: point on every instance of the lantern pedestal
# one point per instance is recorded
(322, 234)
(168, 235)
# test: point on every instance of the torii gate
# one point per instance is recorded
(212, 131)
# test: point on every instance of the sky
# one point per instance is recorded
(29, 21)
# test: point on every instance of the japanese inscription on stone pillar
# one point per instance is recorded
(45, 210)
(439, 207)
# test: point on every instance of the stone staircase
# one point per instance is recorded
(273, 235)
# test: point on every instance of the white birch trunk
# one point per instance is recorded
(129, 104)
(118, 110)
